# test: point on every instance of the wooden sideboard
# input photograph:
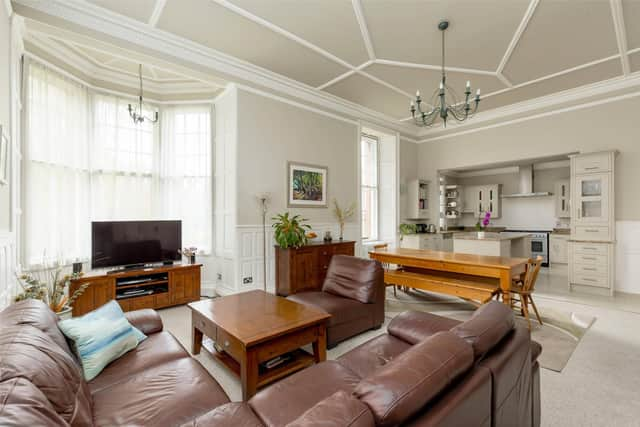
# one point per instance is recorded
(304, 268)
(171, 285)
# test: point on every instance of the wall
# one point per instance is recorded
(5, 107)
(602, 127)
(270, 133)
(536, 213)
(408, 165)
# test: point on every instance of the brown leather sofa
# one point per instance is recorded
(353, 294)
(426, 371)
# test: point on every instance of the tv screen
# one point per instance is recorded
(115, 243)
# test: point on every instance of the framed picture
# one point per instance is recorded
(4, 157)
(307, 185)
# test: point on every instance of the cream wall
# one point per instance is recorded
(5, 107)
(270, 133)
(408, 170)
(604, 127)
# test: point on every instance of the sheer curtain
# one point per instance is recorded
(56, 168)
(124, 162)
(85, 160)
(185, 172)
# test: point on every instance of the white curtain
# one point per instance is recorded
(185, 172)
(56, 168)
(86, 160)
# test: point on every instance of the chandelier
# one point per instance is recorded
(439, 105)
(137, 114)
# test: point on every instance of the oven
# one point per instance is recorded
(540, 246)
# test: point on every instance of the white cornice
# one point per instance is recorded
(132, 32)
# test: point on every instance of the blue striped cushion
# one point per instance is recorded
(101, 337)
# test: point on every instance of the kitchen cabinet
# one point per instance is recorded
(591, 248)
(479, 199)
(559, 249)
(563, 196)
(434, 242)
(418, 199)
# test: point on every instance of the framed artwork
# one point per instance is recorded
(4, 157)
(307, 185)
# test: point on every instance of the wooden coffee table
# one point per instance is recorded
(253, 327)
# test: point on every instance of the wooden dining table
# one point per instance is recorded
(492, 269)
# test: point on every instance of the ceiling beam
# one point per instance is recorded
(621, 34)
(383, 83)
(504, 79)
(528, 14)
(279, 30)
(336, 79)
(435, 67)
(364, 30)
(157, 11)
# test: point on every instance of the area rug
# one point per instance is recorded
(559, 335)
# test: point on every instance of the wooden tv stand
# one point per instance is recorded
(157, 287)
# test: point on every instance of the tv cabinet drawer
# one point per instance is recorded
(138, 303)
(163, 299)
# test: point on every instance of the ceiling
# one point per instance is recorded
(377, 53)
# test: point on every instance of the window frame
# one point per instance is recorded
(376, 211)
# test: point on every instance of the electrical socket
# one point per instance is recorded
(219, 276)
(247, 280)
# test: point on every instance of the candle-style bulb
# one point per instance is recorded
(441, 85)
(417, 93)
(478, 92)
(468, 84)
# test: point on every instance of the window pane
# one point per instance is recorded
(369, 170)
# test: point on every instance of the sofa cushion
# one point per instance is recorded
(100, 337)
(416, 326)
(157, 349)
(285, 400)
(486, 328)
(23, 404)
(339, 409)
(29, 353)
(342, 310)
(399, 389)
(147, 321)
(37, 314)
(234, 414)
(367, 358)
(172, 393)
(353, 278)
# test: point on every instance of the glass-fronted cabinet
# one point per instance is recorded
(592, 198)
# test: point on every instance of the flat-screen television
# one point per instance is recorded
(116, 243)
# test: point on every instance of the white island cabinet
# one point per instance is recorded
(515, 245)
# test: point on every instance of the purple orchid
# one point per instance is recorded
(487, 217)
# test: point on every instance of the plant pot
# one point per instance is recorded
(480, 234)
(192, 259)
(65, 313)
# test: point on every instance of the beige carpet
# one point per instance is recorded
(559, 336)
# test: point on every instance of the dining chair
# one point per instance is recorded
(385, 265)
(523, 289)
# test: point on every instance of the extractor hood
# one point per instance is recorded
(525, 175)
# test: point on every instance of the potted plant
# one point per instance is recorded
(51, 287)
(342, 215)
(481, 225)
(405, 229)
(290, 231)
(189, 253)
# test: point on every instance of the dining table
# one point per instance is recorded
(453, 267)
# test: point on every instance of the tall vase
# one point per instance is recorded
(341, 230)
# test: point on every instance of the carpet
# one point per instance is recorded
(559, 335)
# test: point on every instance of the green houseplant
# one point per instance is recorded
(51, 288)
(289, 231)
(405, 229)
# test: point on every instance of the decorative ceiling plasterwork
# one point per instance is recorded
(368, 56)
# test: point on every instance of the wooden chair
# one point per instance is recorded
(523, 288)
(385, 265)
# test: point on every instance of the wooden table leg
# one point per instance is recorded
(505, 286)
(249, 374)
(320, 345)
(197, 340)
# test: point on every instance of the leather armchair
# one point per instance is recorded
(353, 293)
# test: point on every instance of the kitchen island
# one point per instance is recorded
(505, 244)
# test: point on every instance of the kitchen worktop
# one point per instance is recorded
(490, 236)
